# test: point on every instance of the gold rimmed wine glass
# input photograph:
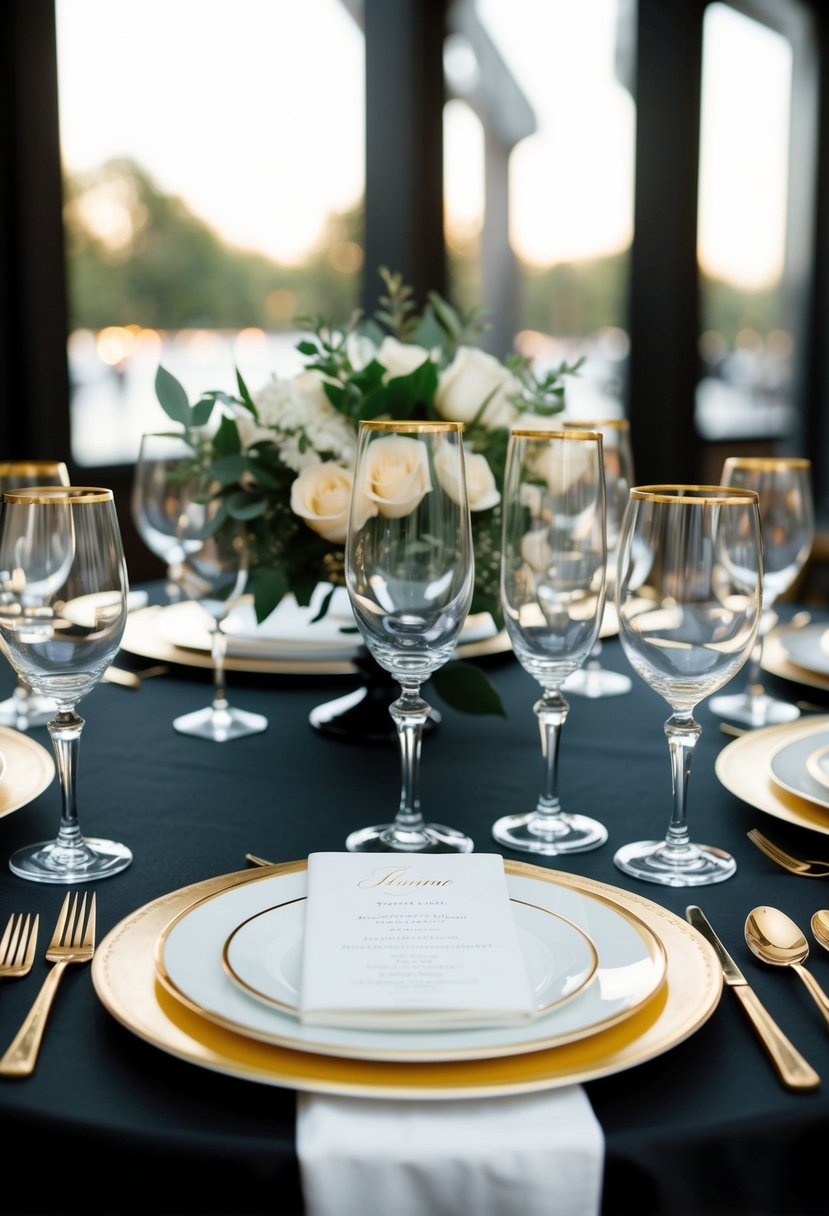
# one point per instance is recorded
(783, 484)
(688, 597)
(63, 609)
(25, 708)
(593, 680)
(409, 569)
(553, 570)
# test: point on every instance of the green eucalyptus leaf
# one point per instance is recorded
(229, 469)
(226, 441)
(247, 400)
(201, 411)
(324, 606)
(467, 688)
(242, 505)
(172, 397)
(269, 586)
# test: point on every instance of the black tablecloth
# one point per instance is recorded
(110, 1124)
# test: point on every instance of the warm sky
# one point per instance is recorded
(252, 110)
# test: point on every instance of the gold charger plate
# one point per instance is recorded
(29, 770)
(775, 660)
(124, 977)
(142, 638)
(744, 768)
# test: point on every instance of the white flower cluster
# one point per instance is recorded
(296, 415)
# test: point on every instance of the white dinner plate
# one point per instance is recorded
(631, 970)
(808, 647)
(790, 767)
(264, 955)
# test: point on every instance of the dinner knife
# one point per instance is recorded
(794, 1071)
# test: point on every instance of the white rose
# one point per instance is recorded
(401, 358)
(396, 476)
(321, 496)
(472, 378)
(481, 489)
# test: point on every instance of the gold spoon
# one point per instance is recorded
(776, 939)
(820, 927)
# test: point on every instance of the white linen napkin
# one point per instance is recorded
(539, 1154)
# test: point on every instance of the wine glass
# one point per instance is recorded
(553, 572)
(63, 609)
(783, 484)
(689, 598)
(593, 680)
(409, 569)
(154, 504)
(213, 570)
(26, 708)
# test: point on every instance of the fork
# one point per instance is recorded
(72, 942)
(795, 865)
(17, 946)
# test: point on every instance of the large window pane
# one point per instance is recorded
(550, 165)
(746, 345)
(214, 166)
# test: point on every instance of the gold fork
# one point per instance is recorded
(73, 941)
(795, 865)
(17, 946)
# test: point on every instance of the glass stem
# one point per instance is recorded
(682, 731)
(218, 650)
(409, 713)
(551, 711)
(65, 731)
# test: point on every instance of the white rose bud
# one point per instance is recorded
(396, 476)
(472, 378)
(321, 495)
(481, 490)
(401, 358)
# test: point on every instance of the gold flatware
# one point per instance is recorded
(820, 927)
(17, 946)
(795, 865)
(133, 679)
(794, 1071)
(73, 941)
(775, 939)
(736, 731)
(257, 861)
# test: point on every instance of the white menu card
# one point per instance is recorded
(411, 941)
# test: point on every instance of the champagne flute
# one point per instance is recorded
(593, 680)
(63, 609)
(155, 505)
(689, 598)
(783, 484)
(213, 571)
(553, 572)
(26, 708)
(409, 569)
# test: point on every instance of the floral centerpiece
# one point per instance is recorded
(280, 459)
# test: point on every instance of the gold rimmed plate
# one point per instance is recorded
(29, 770)
(263, 955)
(631, 969)
(123, 973)
(744, 767)
(778, 661)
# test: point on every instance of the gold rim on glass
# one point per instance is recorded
(767, 464)
(706, 495)
(375, 425)
(522, 434)
(616, 424)
(28, 468)
(60, 494)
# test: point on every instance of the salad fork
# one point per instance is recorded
(73, 941)
(795, 865)
(17, 946)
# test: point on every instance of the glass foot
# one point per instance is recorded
(389, 838)
(220, 725)
(549, 834)
(24, 712)
(754, 711)
(84, 862)
(597, 682)
(694, 865)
